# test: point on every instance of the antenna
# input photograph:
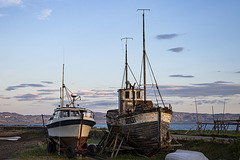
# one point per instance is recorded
(144, 55)
(63, 87)
(126, 64)
(143, 10)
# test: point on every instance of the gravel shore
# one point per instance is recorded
(10, 148)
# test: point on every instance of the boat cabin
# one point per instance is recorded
(71, 112)
(128, 98)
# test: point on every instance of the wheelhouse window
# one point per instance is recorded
(127, 94)
(133, 94)
(74, 114)
(89, 114)
(138, 95)
(56, 114)
(65, 113)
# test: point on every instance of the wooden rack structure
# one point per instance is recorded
(219, 126)
(112, 142)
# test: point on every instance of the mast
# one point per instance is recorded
(63, 87)
(144, 56)
(126, 64)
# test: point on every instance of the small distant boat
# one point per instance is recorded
(68, 123)
(143, 124)
(10, 138)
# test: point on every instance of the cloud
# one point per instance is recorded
(100, 92)
(166, 36)
(34, 97)
(97, 93)
(49, 99)
(215, 101)
(28, 97)
(9, 3)
(47, 82)
(3, 15)
(10, 88)
(105, 103)
(48, 90)
(218, 88)
(44, 14)
(181, 76)
(237, 72)
(99, 103)
(4, 97)
(85, 93)
(206, 84)
(177, 49)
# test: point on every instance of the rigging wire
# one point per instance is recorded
(141, 74)
(133, 74)
(152, 86)
(155, 81)
(68, 95)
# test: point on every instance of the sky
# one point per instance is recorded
(193, 48)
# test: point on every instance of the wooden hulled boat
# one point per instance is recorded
(143, 124)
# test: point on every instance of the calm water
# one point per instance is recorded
(175, 126)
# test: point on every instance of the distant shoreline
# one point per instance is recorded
(7, 118)
(173, 126)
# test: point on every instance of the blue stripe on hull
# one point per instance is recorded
(71, 122)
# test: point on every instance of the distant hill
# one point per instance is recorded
(182, 117)
(15, 118)
(178, 117)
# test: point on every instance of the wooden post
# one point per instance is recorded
(201, 127)
(159, 128)
(44, 129)
(237, 128)
(214, 128)
(119, 147)
(191, 128)
(105, 142)
(115, 144)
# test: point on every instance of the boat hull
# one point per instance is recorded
(142, 130)
(70, 128)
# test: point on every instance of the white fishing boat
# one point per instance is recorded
(66, 122)
(143, 125)
(70, 124)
